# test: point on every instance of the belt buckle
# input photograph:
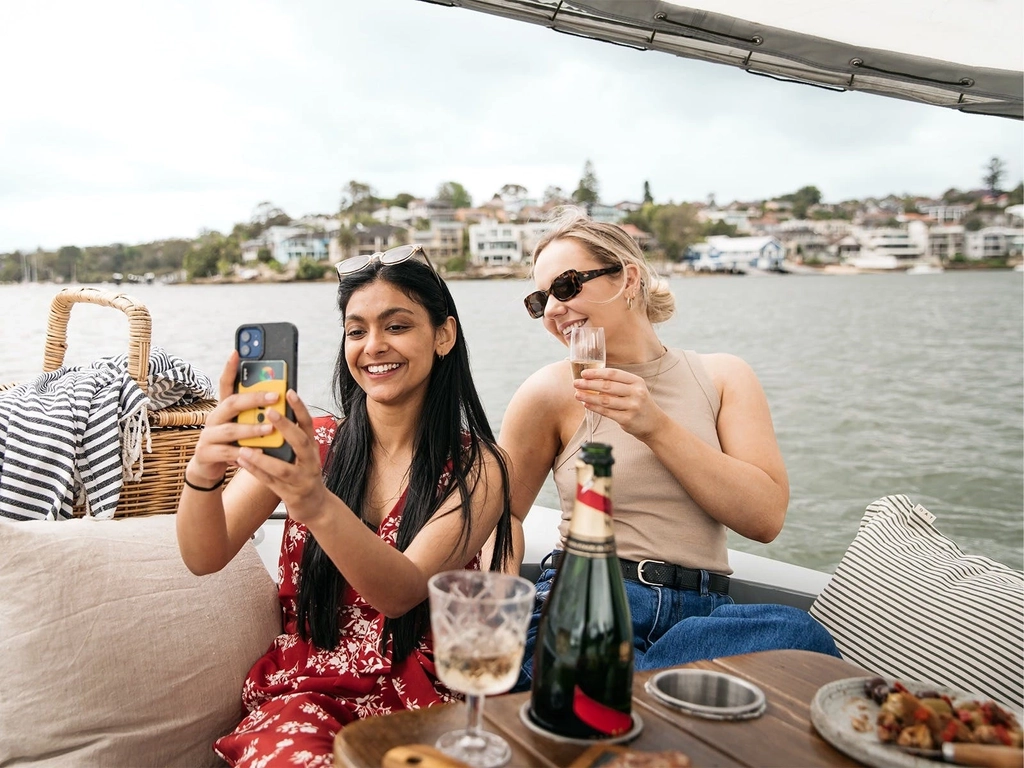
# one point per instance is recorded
(640, 572)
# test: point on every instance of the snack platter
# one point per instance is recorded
(847, 717)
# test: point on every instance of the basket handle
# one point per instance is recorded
(140, 328)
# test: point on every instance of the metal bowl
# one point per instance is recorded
(712, 695)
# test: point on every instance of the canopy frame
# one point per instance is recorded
(781, 54)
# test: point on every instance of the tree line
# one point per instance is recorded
(676, 227)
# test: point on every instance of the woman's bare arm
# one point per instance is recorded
(530, 434)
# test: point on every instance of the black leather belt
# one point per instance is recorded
(657, 573)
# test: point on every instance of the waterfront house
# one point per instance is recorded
(738, 254)
(274, 240)
(493, 243)
(844, 248)
(307, 244)
(994, 242)
(442, 240)
(886, 248)
(945, 242)
(803, 241)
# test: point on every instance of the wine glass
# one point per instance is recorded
(586, 350)
(479, 621)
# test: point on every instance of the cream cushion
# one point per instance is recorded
(906, 602)
(112, 653)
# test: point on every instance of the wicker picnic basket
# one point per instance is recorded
(174, 430)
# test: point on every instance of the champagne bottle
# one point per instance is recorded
(583, 662)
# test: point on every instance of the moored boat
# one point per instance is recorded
(925, 269)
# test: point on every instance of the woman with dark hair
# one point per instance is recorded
(409, 483)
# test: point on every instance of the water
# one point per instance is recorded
(877, 383)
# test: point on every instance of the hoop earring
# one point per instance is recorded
(440, 357)
(629, 302)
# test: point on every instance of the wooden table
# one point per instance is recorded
(783, 736)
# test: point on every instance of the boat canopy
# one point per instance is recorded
(962, 54)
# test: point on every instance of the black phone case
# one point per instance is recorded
(280, 342)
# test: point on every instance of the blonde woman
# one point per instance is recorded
(694, 446)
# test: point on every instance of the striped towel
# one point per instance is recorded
(79, 432)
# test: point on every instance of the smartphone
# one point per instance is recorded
(268, 362)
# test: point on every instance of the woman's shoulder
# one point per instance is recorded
(537, 405)
(727, 370)
(552, 378)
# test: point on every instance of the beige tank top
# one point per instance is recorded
(654, 516)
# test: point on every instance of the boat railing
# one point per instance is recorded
(755, 578)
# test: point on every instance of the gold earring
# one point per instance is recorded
(629, 302)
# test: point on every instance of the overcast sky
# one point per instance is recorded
(136, 121)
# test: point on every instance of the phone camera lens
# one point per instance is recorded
(245, 336)
(260, 417)
(244, 350)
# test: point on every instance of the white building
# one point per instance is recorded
(943, 213)
(994, 242)
(736, 218)
(285, 243)
(394, 215)
(493, 243)
(738, 254)
(945, 243)
(886, 249)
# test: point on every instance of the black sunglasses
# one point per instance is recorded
(564, 287)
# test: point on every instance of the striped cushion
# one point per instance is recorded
(905, 602)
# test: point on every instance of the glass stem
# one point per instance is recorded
(474, 709)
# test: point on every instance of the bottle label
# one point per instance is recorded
(598, 716)
(595, 495)
(590, 529)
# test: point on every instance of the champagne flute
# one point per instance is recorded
(586, 350)
(479, 621)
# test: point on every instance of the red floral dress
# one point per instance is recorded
(299, 696)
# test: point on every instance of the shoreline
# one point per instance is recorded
(503, 273)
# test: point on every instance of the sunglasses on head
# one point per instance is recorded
(395, 255)
(390, 256)
(564, 287)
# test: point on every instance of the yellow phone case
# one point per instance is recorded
(258, 415)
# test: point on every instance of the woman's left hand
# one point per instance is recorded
(622, 397)
(299, 484)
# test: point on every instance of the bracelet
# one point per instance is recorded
(213, 487)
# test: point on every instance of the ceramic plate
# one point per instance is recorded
(632, 733)
(837, 704)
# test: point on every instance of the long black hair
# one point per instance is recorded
(453, 429)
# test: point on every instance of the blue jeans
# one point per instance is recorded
(677, 626)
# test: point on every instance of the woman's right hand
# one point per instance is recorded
(621, 396)
(217, 448)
